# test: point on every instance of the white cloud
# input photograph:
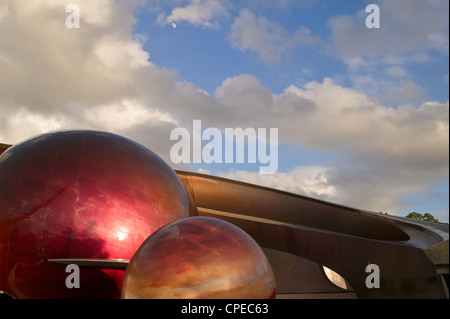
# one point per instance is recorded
(398, 72)
(406, 26)
(119, 55)
(203, 171)
(381, 146)
(30, 124)
(4, 11)
(350, 122)
(267, 39)
(264, 6)
(50, 66)
(125, 114)
(406, 92)
(325, 115)
(243, 95)
(411, 32)
(309, 181)
(203, 13)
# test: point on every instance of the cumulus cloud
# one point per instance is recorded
(45, 65)
(125, 114)
(410, 33)
(360, 186)
(267, 39)
(406, 26)
(380, 145)
(310, 181)
(95, 77)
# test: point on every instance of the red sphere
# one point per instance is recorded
(199, 257)
(79, 194)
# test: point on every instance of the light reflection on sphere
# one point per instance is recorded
(79, 194)
(199, 257)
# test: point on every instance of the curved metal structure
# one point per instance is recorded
(343, 239)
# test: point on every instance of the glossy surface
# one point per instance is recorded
(341, 238)
(237, 197)
(79, 194)
(199, 257)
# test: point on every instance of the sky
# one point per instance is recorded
(362, 113)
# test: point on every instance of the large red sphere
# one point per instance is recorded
(79, 194)
(199, 257)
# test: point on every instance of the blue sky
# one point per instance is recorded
(362, 113)
(209, 56)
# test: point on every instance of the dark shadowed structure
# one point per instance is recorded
(302, 235)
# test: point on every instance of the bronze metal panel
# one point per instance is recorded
(343, 239)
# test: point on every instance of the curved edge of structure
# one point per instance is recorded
(343, 239)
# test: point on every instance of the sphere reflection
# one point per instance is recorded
(199, 257)
(79, 194)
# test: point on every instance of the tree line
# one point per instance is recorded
(426, 217)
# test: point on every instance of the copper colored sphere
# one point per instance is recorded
(199, 257)
(84, 195)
